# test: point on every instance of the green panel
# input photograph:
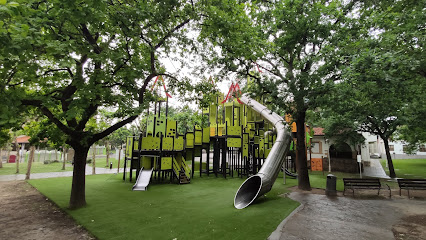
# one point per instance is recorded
(261, 143)
(228, 114)
(256, 139)
(129, 143)
(245, 150)
(205, 110)
(245, 138)
(198, 137)
(168, 143)
(150, 125)
(197, 151)
(135, 144)
(233, 142)
(151, 143)
(234, 130)
(189, 154)
(171, 128)
(160, 126)
(220, 98)
(206, 135)
(236, 116)
(261, 133)
(146, 162)
(189, 140)
(166, 163)
(213, 114)
(178, 144)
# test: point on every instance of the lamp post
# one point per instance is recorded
(329, 157)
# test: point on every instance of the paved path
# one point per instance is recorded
(362, 217)
(16, 177)
(375, 169)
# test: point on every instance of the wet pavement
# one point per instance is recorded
(374, 169)
(360, 217)
(15, 177)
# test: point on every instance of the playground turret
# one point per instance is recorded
(261, 183)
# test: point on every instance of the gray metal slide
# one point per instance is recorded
(143, 180)
(261, 183)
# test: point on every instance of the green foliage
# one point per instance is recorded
(5, 137)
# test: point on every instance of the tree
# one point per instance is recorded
(383, 78)
(67, 59)
(290, 42)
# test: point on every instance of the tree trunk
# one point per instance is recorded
(17, 155)
(389, 158)
(8, 154)
(302, 164)
(107, 153)
(65, 157)
(78, 189)
(30, 163)
(1, 158)
(119, 156)
(94, 159)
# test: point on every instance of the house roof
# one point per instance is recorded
(318, 131)
(22, 139)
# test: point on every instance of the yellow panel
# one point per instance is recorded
(234, 130)
(166, 163)
(171, 128)
(151, 143)
(168, 143)
(245, 150)
(233, 142)
(213, 131)
(146, 162)
(178, 146)
(206, 135)
(189, 140)
(198, 137)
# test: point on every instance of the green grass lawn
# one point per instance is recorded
(37, 167)
(200, 210)
(407, 168)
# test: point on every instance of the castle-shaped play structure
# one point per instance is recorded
(243, 139)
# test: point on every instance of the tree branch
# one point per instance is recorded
(48, 114)
(161, 42)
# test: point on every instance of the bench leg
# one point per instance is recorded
(353, 192)
(399, 191)
(408, 191)
(344, 191)
(378, 192)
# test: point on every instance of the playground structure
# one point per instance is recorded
(242, 138)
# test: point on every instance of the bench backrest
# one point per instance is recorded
(412, 182)
(362, 181)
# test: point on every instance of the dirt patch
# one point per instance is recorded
(411, 227)
(26, 214)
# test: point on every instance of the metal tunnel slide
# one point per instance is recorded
(261, 183)
(143, 180)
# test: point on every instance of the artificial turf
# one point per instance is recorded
(200, 210)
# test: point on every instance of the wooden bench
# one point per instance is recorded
(413, 184)
(363, 183)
